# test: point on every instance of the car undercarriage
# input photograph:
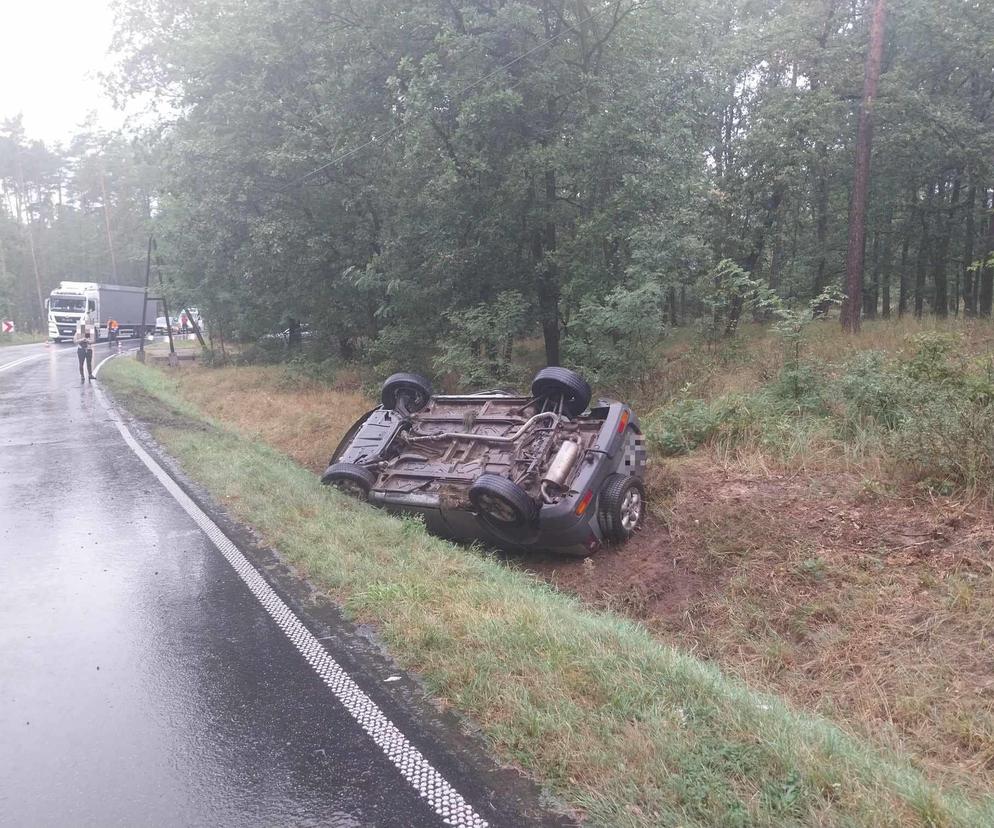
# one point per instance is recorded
(509, 470)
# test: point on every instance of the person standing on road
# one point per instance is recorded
(84, 353)
(112, 327)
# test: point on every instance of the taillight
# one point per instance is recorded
(581, 507)
(623, 422)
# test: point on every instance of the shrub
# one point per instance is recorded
(870, 388)
(479, 347)
(799, 388)
(617, 341)
(263, 352)
(932, 362)
(689, 423)
(950, 439)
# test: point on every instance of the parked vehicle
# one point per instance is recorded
(536, 471)
(284, 335)
(160, 325)
(90, 304)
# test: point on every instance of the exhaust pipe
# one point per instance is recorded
(562, 464)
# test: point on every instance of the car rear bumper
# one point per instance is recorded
(558, 530)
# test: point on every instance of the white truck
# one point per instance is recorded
(93, 305)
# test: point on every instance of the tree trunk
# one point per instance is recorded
(544, 244)
(871, 296)
(987, 272)
(861, 180)
(940, 295)
(902, 296)
(969, 298)
(821, 152)
(755, 255)
(885, 288)
(921, 261)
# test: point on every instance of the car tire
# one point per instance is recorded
(350, 478)
(406, 393)
(621, 507)
(502, 502)
(561, 383)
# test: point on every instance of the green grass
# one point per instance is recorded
(21, 339)
(633, 732)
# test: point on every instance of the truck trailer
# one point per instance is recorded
(92, 305)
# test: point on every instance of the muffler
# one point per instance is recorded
(562, 464)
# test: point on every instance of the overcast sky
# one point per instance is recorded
(51, 53)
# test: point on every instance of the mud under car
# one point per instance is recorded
(546, 470)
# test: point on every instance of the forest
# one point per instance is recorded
(429, 183)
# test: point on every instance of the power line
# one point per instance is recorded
(401, 126)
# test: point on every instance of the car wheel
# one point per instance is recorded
(621, 507)
(350, 478)
(502, 501)
(562, 384)
(406, 393)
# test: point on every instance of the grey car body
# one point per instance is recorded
(509, 470)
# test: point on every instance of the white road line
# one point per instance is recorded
(22, 360)
(423, 777)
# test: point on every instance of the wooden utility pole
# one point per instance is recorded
(148, 273)
(861, 184)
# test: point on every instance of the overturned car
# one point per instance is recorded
(542, 471)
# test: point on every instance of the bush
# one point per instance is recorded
(869, 388)
(302, 371)
(799, 388)
(616, 342)
(931, 414)
(263, 352)
(479, 347)
(689, 423)
(950, 440)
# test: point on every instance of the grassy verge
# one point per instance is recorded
(633, 732)
(21, 339)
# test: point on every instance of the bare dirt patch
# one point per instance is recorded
(650, 578)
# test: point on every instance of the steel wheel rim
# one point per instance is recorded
(411, 399)
(631, 509)
(350, 487)
(497, 509)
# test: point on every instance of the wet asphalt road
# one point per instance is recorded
(141, 683)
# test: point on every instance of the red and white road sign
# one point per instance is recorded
(8, 326)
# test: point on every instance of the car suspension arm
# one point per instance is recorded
(487, 438)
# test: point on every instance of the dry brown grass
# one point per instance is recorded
(875, 607)
(301, 418)
(757, 354)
